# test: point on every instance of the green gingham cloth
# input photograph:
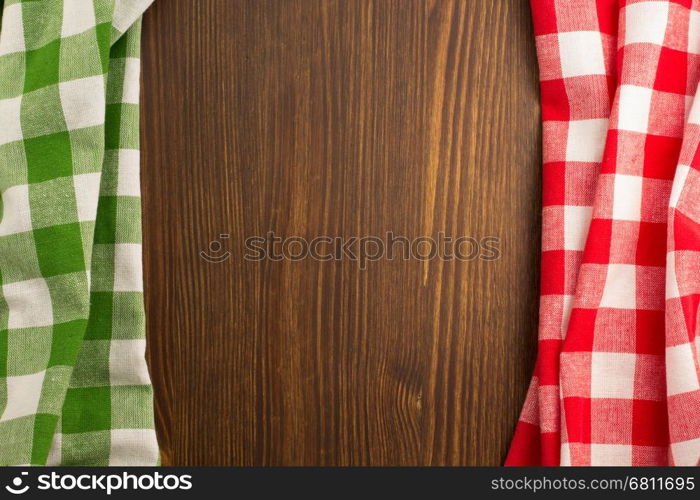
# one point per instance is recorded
(74, 386)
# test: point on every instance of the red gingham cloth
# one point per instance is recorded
(617, 376)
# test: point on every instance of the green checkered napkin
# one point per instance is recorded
(74, 387)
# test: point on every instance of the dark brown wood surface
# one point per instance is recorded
(339, 118)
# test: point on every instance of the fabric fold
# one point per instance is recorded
(627, 366)
(75, 387)
(682, 295)
(576, 49)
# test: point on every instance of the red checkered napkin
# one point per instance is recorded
(616, 380)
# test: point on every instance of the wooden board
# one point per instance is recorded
(340, 118)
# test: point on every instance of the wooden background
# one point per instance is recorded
(340, 118)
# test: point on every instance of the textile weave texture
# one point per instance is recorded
(74, 387)
(617, 376)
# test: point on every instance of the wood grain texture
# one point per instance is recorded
(340, 118)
